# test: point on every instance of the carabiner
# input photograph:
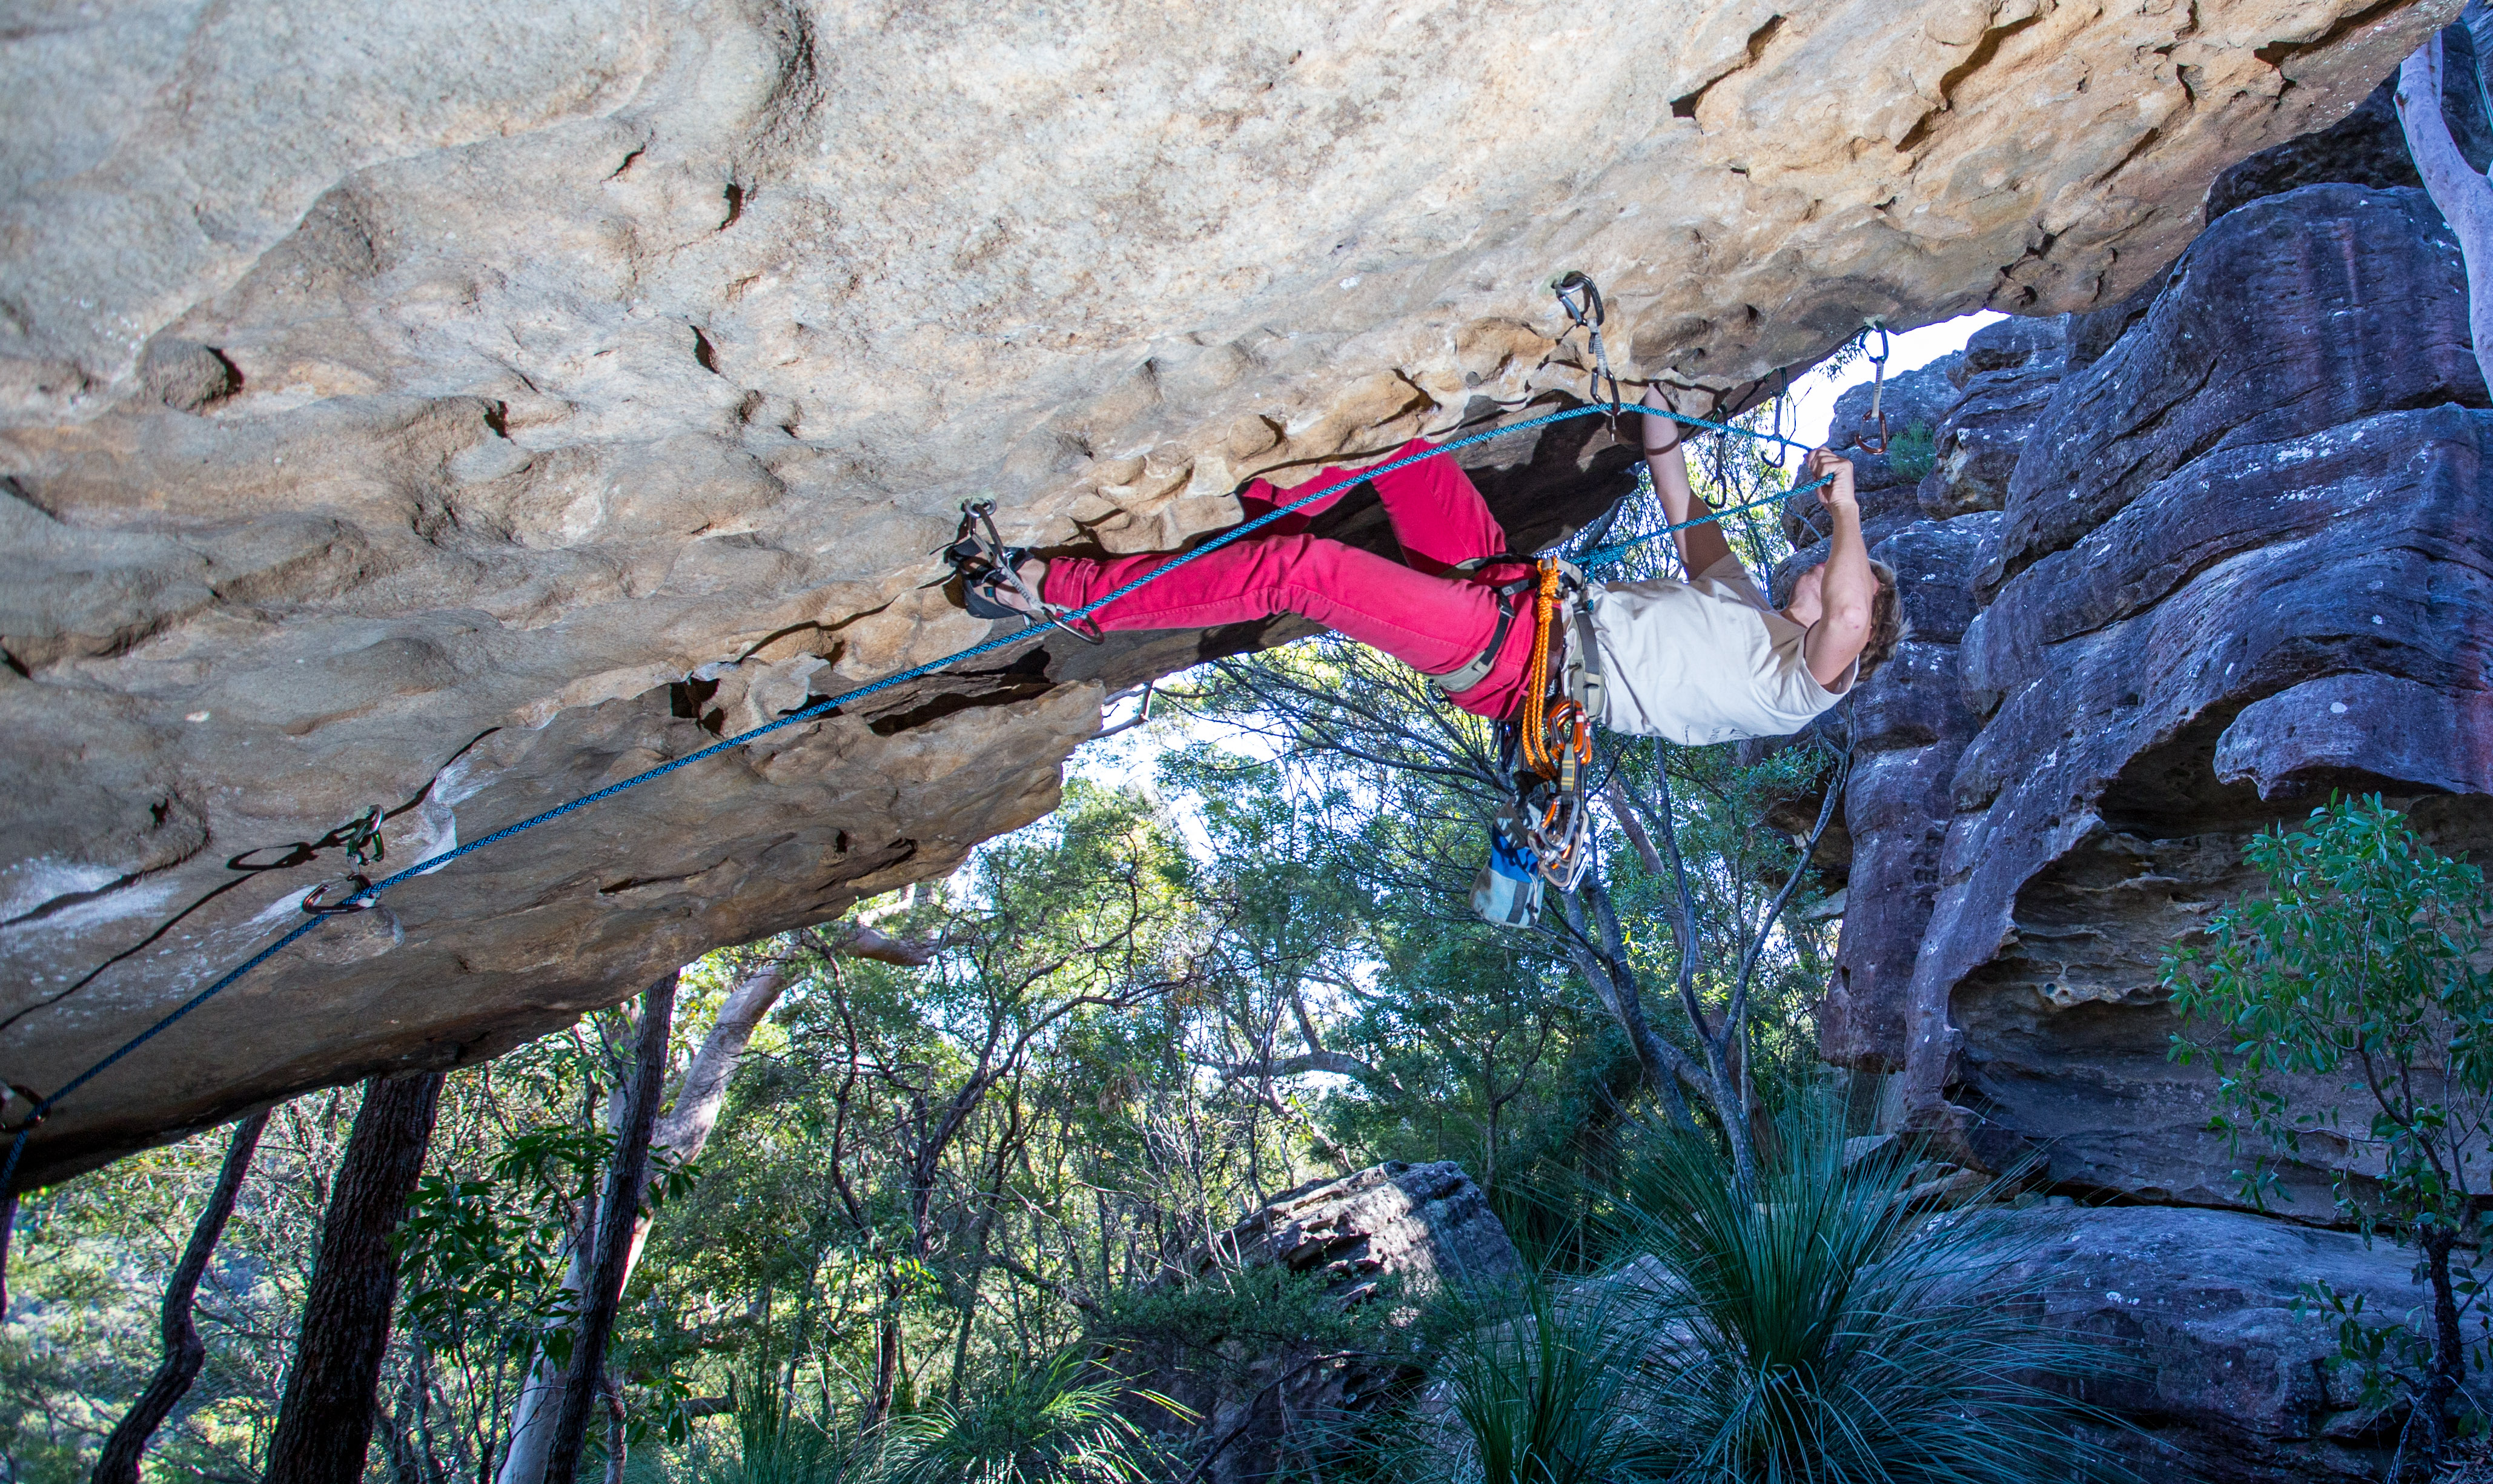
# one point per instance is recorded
(1782, 406)
(1878, 387)
(317, 903)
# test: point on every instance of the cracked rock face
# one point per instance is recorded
(2240, 563)
(451, 409)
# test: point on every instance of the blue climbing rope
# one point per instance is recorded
(371, 893)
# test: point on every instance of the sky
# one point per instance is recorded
(1815, 395)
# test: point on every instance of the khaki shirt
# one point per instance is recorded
(1703, 661)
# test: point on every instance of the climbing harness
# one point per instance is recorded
(987, 566)
(319, 904)
(1588, 315)
(1878, 387)
(1552, 741)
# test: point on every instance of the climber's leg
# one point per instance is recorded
(1438, 513)
(1433, 625)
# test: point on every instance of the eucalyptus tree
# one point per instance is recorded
(1413, 786)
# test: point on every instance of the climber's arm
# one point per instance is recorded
(1700, 546)
(1847, 587)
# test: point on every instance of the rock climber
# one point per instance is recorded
(1705, 660)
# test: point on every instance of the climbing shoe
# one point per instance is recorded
(989, 570)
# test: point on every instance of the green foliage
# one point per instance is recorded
(1546, 1389)
(2353, 984)
(1055, 1423)
(2355, 968)
(1210, 1327)
(1912, 453)
(797, 1451)
(1822, 1328)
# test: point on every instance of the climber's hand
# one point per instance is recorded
(1823, 461)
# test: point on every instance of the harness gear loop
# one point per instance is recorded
(1878, 386)
(1587, 317)
(1555, 736)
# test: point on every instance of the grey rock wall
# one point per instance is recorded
(2239, 562)
(2227, 1362)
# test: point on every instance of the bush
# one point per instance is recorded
(1548, 1391)
(1914, 452)
(2357, 968)
(1819, 1327)
(1057, 1423)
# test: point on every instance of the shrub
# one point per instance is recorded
(1547, 1391)
(2356, 967)
(1913, 452)
(1819, 1327)
(1056, 1423)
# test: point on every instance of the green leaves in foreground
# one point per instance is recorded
(1058, 1423)
(2354, 968)
(1816, 1329)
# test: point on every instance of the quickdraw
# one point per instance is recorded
(1878, 387)
(1582, 299)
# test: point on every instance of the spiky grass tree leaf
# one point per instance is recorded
(1821, 1328)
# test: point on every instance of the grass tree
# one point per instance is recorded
(2359, 968)
(1817, 1322)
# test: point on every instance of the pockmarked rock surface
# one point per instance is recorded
(1395, 1233)
(2227, 1359)
(2238, 560)
(451, 409)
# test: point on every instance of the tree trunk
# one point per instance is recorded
(2464, 196)
(533, 1415)
(184, 1350)
(618, 1443)
(7, 1224)
(887, 1353)
(681, 1136)
(627, 1183)
(2449, 1345)
(326, 1421)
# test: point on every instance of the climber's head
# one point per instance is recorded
(1808, 605)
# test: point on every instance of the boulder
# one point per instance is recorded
(2231, 1375)
(425, 408)
(1395, 1232)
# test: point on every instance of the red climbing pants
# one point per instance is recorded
(1417, 610)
